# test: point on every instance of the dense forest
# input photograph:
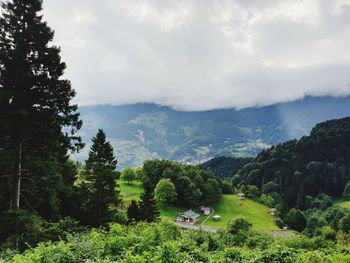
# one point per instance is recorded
(53, 209)
(302, 169)
(225, 167)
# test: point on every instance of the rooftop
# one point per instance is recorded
(191, 214)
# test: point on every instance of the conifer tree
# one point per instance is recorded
(148, 205)
(38, 123)
(134, 212)
(101, 176)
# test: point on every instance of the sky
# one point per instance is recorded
(199, 55)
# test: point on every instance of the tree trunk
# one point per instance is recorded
(16, 191)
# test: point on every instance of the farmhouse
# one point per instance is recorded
(188, 217)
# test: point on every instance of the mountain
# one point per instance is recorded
(147, 131)
(315, 164)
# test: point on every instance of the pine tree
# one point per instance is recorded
(101, 177)
(148, 205)
(134, 212)
(38, 123)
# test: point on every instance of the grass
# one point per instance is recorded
(342, 203)
(229, 208)
(130, 191)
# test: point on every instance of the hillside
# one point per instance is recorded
(225, 167)
(146, 131)
(319, 163)
(229, 208)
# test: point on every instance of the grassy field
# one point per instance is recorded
(130, 191)
(228, 208)
(343, 203)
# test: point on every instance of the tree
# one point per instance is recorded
(213, 191)
(100, 176)
(134, 212)
(148, 206)
(296, 219)
(346, 193)
(38, 123)
(344, 224)
(128, 174)
(227, 187)
(239, 225)
(165, 191)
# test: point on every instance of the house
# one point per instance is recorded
(205, 210)
(188, 217)
(241, 196)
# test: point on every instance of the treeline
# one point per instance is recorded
(44, 195)
(193, 185)
(302, 169)
(225, 167)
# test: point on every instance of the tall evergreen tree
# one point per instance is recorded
(148, 205)
(101, 175)
(38, 123)
(134, 212)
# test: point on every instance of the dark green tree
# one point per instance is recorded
(296, 219)
(134, 212)
(344, 224)
(148, 205)
(102, 198)
(38, 123)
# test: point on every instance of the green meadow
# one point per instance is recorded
(229, 208)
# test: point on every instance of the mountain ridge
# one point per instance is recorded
(148, 131)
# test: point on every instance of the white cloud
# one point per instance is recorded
(203, 54)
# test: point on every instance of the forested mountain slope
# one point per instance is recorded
(225, 167)
(145, 131)
(319, 163)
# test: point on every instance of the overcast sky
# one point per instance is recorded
(203, 54)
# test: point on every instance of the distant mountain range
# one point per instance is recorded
(146, 131)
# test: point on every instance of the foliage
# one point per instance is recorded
(194, 186)
(128, 174)
(165, 191)
(148, 206)
(21, 228)
(344, 224)
(296, 219)
(239, 225)
(315, 164)
(101, 197)
(225, 167)
(164, 242)
(134, 212)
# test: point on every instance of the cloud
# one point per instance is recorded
(203, 54)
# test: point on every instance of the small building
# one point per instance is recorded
(217, 218)
(205, 210)
(188, 217)
(273, 211)
(241, 196)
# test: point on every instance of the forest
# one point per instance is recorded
(54, 209)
